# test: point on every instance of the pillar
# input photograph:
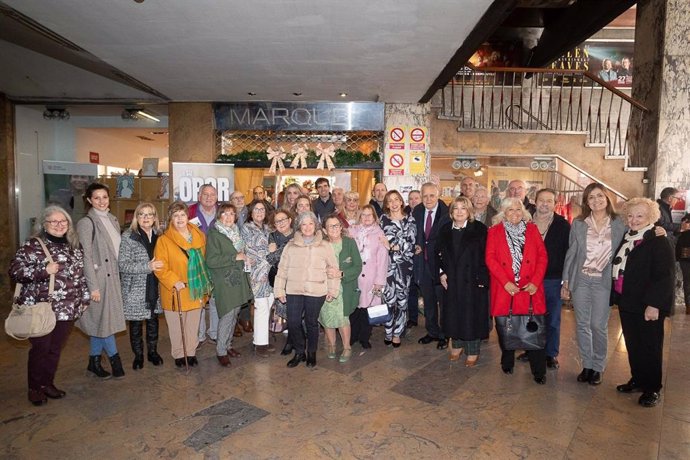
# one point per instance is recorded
(8, 225)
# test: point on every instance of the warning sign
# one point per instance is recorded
(418, 137)
(396, 160)
(417, 163)
(397, 134)
(417, 134)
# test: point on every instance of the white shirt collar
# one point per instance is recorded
(455, 227)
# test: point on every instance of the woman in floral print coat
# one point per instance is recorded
(69, 299)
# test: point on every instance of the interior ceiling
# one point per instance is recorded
(208, 50)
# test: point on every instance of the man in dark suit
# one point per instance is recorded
(429, 219)
(377, 196)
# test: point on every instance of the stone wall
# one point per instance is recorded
(191, 132)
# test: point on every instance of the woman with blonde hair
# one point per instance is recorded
(291, 192)
(349, 215)
(140, 296)
(181, 248)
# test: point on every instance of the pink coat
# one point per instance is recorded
(374, 261)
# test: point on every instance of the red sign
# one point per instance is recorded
(397, 134)
(396, 160)
(395, 146)
(94, 157)
(417, 135)
(396, 172)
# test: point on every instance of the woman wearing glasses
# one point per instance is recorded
(99, 235)
(335, 314)
(255, 236)
(70, 294)
(277, 240)
(141, 301)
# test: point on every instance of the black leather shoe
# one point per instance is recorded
(298, 358)
(630, 387)
(365, 345)
(596, 378)
(540, 380)
(154, 358)
(585, 375)
(311, 359)
(507, 370)
(411, 323)
(387, 342)
(179, 362)
(52, 392)
(192, 361)
(552, 363)
(427, 339)
(138, 362)
(442, 344)
(523, 357)
(649, 399)
(287, 349)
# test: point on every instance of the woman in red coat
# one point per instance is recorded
(516, 258)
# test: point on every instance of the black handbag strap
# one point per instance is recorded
(530, 312)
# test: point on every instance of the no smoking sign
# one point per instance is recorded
(396, 161)
(417, 135)
(397, 134)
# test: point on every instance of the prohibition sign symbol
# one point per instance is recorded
(397, 134)
(417, 135)
(396, 160)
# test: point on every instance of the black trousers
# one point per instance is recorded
(413, 302)
(360, 328)
(433, 296)
(44, 355)
(537, 359)
(310, 307)
(645, 343)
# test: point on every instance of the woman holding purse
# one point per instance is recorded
(516, 258)
(277, 240)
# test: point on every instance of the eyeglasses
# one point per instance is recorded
(259, 210)
(280, 221)
(57, 223)
(146, 215)
(227, 213)
(334, 226)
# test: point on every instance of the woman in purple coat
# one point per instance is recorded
(367, 233)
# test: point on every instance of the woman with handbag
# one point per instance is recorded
(140, 292)
(335, 314)
(461, 248)
(516, 258)
(255, 236)
(225, 260)
(302, 283)
(34, 267)
(183, 276)
(400, 233)
(368, 235)
(277, 240)
(643, 288)
(99, 234)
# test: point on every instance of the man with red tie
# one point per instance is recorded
(429, 219)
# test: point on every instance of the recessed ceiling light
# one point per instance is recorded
(251, 93)
(297, 93)
(158, 133)
(343, 94)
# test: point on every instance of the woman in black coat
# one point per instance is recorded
(643, 288)
(460, 255)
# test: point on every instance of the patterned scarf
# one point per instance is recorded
(628, 244)
(233, 234)
(516, 243)
(197, 275)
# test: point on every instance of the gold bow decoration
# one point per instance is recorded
(276, 156)
(300, 156)
(325, 156)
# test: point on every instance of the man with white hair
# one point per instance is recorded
(517, 188)
(468, 186)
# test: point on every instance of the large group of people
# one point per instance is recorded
(322, 263)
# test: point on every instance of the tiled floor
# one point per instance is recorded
(410, 402)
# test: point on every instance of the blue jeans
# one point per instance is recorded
(552, 292)
(98, 344)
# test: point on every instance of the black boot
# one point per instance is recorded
(135, 330)
(96, 368)
(152, 340)
(287, 349)
(116, 363)
(311, 358)
(298, 358)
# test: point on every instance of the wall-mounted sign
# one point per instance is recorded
(291, 116)
(187, 178)
(94, 157)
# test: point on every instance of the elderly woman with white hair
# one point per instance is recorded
(643, 288)
(302, 282)
(517, 260)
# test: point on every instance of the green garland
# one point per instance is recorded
(342, 158)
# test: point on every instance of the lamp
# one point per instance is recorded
(56, 113)
(137, 114)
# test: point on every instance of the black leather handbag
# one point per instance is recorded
(521, 332)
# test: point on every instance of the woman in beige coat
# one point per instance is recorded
(99, 234)
(302, 282)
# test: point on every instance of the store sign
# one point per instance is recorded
(290, 116)
(189, 177)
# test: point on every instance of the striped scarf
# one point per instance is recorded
(516, 243)
(197, 275)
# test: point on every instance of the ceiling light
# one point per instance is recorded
(343, 94)
(55, 113)
(297, 93)
(146, 115)
(137, 114)
(251, 93)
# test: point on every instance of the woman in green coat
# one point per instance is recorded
(335, 314)
(225, 260)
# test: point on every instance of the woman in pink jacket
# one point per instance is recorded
(367, 233)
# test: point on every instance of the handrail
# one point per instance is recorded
(522, 109)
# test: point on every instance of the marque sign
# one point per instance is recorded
(291, 116)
